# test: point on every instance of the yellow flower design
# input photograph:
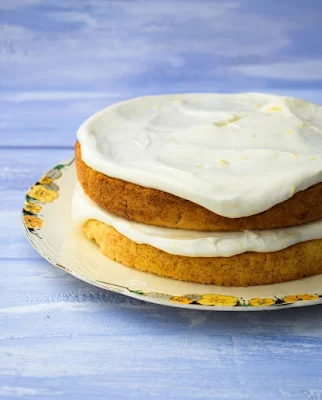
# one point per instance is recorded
(32, 207)
(45, 180)
(300, 297)
(41, 193)
(217, 300)
(181, 299)
(274, 109)
(33, 222)
(258, 302)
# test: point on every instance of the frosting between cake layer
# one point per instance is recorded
(194, 243)
(234, 154)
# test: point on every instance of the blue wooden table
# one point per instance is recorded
(59, 62)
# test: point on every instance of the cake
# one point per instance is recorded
(218, 189)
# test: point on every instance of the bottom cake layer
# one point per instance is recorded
(247, 269)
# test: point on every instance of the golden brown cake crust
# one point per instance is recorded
(247, 269)
(154, 207)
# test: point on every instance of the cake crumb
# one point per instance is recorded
(274, 109)
(223, 162)
(229, 121)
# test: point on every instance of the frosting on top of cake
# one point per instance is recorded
(234, 154)
(194, 243)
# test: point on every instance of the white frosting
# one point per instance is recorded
(234, 154)
(194, 243)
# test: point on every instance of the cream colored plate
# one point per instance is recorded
(46, 219)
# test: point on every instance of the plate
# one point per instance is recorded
(46, 219)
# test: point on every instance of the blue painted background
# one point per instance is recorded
(59, 62)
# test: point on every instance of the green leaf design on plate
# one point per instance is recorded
(32, 200)
(138, 292)
(25, 212)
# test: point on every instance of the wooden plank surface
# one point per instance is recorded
(60, 335)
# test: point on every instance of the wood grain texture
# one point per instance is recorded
(47, 118)
(60, 62)
(60, 336)
(21, 168)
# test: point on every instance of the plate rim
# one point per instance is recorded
(31, 232)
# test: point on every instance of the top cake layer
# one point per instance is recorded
(234, 154)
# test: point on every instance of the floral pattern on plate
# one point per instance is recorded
(219, 300)
(44, 194)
